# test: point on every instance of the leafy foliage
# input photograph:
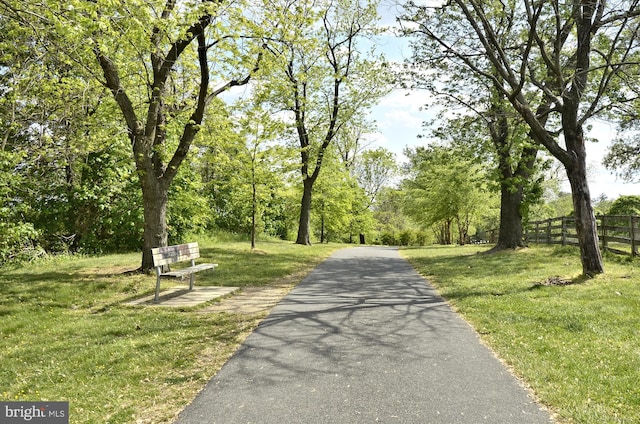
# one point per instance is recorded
(75, 165)
(324, 80)
(246, 174)
(625, 205)
(445, 189)
(623, 157)
(558, 65)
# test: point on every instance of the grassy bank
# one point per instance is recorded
(65, 334)
(577, 345)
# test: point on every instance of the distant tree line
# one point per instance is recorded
(131, 125)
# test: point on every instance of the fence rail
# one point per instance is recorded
(617, 233)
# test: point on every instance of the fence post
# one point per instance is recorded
(563, 231)
(604, 232)
(548, 231)
(537, 231)
(632, 234)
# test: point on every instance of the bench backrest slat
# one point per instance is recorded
(172, 254)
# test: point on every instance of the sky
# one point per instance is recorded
(400, 116)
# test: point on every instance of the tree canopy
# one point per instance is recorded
(568, 63)
(130, 125)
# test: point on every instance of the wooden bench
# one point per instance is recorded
(163, 256)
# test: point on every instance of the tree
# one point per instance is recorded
(149, 134)
(373, 169)
(392, 225)
(625, 205)
(572, 54)
(501, 139)
(263, 160)
(623, 157)
(246, 171)
(474, 111)
(336, 196)
(71, 185)
(16, 232)
(260, 159)
(325, 80)
(351, 141)
(155, 58)
(370, 169)
(445, 189)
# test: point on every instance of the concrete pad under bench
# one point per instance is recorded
(181, 297)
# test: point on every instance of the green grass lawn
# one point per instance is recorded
(65, 334)
(577, 346)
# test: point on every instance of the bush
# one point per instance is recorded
(407, 238)
(17, 242)
(423, 238)
(625, 205)
(388, 239)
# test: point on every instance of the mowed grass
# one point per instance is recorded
(65, 334)
(577, 346)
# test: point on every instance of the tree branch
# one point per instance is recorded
(193, 126)
(114, 84)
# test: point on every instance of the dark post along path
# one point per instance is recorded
(363, 339)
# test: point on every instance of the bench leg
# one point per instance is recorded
(157, 297)
(192, 276)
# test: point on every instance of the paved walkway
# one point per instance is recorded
(181, 297)
(251, 300)
(363, 339)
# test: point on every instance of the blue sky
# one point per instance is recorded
(401, 114)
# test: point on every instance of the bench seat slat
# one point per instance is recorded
(172, 259)
(168, 255)
(173, 250)
(181, 273)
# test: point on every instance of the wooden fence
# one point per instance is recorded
(617, 233)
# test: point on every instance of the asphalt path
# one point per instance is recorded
(363, 339)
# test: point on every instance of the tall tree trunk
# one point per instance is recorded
(463, 229)
(510, 233)
(254, 207)
(576, 167)
(586, 228)
(154, 201)
(322, 216)
(444, 231)
(512, 180)
(304, 226)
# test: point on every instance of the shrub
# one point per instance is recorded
(388, 239)
(406, 238)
